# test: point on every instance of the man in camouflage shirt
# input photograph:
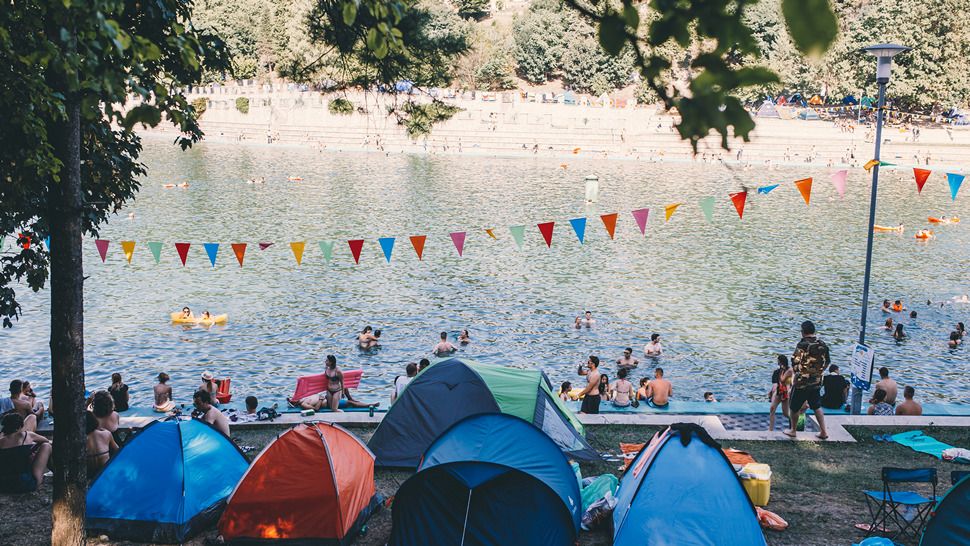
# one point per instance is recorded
(809, 361)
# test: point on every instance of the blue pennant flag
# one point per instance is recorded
(767, 189)
(579, 226)
(955, 180)
(47, 243)
(212, 249)
(387, 245)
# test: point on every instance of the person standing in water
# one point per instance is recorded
(444, 347)
(366, 339)
(653, 348)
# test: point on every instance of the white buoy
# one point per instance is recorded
(592, 188)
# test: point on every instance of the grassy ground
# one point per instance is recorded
(816, 487)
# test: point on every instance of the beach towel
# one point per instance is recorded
(917, 441)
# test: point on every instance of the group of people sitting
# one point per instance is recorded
(336, 390)
(621, 393)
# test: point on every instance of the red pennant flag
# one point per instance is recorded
(25, 239)
(921, 176)
(183, 250)
(239, 249)
(738, 199)
(417, 241)
(102, 245)
(805, 188)
(264, 246)
(356, 245)
(609, 220)
(546, 229)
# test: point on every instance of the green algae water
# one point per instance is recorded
(726, 296)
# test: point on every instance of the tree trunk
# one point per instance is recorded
(67, 334)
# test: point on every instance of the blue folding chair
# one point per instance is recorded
(905, 511)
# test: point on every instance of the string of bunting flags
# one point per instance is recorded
(517, 232)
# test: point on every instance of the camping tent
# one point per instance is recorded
(950, 521)
(167, 484)
(315, 483)
(808, 114)
(491, 479)
(767, 110)
(447, 391)
(681, 489)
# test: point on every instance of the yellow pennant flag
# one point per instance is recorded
(297, 249)
(669, 210)
(129, 248)
(870, 164)
(491, 233)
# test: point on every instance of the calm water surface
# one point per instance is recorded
(726, 296)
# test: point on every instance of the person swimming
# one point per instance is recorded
(579, 323)
(464, 338)
(186, 313)
(588, 320)
(899, 335)
(444, 347)
(889, 324)
(366, 338)
(955, 339)
(886, 307)
(961, 329)
(898, 306)
(206, 315)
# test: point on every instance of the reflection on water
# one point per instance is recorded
(726, 296)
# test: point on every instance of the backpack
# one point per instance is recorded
(809, 361)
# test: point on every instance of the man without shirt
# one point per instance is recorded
(909, 406)
(627, 360)
(210, 414)
(889, 385)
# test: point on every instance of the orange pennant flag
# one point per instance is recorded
(239, 249)
(738, 199)
(491, 233)
(669, 211)
(417, 241)
(609, 220)
(129, 248)
(921, 176)
(297, 249)
(805, 187)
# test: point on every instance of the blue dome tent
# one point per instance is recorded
(681, 489)
(950, 520)
(168, 483)
(491, 479)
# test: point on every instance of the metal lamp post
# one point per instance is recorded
(884, 54)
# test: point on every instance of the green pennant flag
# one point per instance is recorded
(327, 248)
(156, 249)
(707, 205)
(518, 233)
(2, 238)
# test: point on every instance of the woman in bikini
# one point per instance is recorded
(23, 456)
(622, 389)
(335, 383)
(101, 445)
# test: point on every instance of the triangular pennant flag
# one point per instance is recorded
(738, 198)
(264, 246)
(212, 249)
(297, 248)
(239, 249)
(102, 245)
(355, 247)
(669, 211)
(458, 237)
(326, 247)
(491, 233)
(545, 229)
(387, 245)
(765, 190)
(518, 233)
(707, 207)
(805, 188)
(156, 248)
(870, 164)
(838, 180)
(886, 164)
(2, 239)
(641, 216)
(128, 247)
(26, 239)
(417, 241)
(579, 226)
(921, 176)
(609, 221)
(954, 180)
(183, 250)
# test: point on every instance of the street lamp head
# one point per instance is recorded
(884, 54)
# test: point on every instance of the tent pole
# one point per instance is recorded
(464, 525)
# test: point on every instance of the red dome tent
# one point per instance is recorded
(314, 483)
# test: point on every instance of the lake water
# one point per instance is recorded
(726, 296)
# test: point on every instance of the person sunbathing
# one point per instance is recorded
(101, 444)
(23, 456)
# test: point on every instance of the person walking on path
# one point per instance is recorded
(809, 361)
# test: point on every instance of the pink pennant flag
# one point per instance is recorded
(838, 180)
(102, 245)
(458, 237)
(264, 246)
(641, 215)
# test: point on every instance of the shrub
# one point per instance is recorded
(242, 104)
(418, 119)
(341, 106)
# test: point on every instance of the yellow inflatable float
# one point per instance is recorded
(214, 319)
(886, 229)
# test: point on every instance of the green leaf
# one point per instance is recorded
(612, 35)
(811, 24)
(350, 12)
(631, 16)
